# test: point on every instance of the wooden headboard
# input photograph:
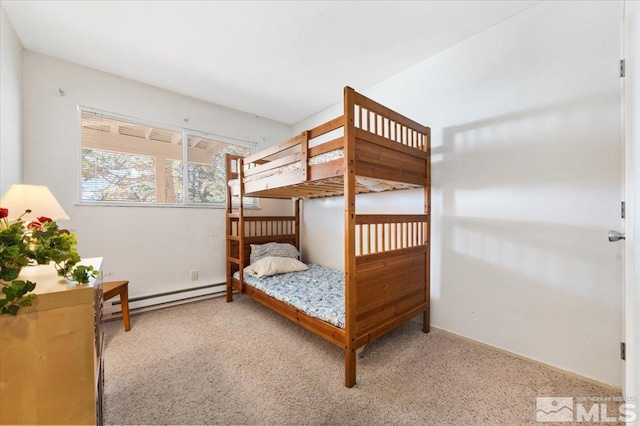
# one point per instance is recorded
(262, 230)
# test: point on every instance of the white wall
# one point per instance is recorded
(10, 105)
(527, 181)
(155, 248)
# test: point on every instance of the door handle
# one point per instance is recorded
(615, 236)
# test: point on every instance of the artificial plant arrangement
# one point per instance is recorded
(36, 242)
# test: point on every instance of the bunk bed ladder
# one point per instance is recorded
(234, 226)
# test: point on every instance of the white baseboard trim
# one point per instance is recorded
(111, 309)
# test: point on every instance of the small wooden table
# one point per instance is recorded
(114, 288)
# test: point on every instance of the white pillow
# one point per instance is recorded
(273, 249)
(274, 265)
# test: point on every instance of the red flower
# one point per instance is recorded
(4, 213)
(44, 219)
(34, 226)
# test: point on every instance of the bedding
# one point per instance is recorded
(260, 251)
(318, 291)
(270, 265)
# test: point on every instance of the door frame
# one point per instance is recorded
(631, 117)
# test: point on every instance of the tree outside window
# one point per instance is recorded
(127, 162)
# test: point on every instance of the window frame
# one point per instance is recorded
(251, 203)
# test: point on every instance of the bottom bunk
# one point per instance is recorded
(319, 309)
(316, 291)
(391, 278)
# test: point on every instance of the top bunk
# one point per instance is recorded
(388, 150)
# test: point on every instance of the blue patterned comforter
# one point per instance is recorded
(318, 291)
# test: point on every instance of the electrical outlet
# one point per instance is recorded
(194, 275)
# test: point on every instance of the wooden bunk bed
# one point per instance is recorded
(386, 256)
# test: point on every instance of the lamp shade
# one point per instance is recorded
(37, 198)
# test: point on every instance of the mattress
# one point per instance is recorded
(318, 291)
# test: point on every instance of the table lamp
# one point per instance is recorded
(30, 202)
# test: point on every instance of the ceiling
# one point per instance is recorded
(283, 60)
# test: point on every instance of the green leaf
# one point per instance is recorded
(9, 292)
(9, 274)
(27, 301)
(11, 309)
(30, 286)
(20, 288)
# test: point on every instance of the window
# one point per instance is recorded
(129, 162)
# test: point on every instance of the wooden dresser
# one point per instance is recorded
(51, 353)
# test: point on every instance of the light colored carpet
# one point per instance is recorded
(212, 362)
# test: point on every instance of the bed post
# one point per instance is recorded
(228, 227)
(427, 210)
(349, 238)
(296, 206)
(241, 224)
